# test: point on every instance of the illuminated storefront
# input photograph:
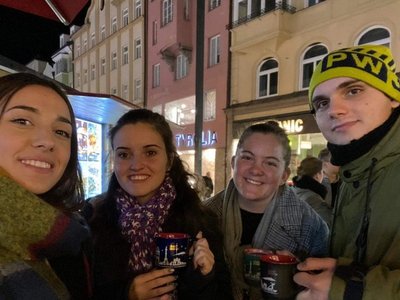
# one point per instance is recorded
(304, 135)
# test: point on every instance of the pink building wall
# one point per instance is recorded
(182, 32)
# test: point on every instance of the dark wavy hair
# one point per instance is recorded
(309, 166)
(186, 209)
(67, 194)
(269, 127)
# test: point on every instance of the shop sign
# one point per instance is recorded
(295, 124)
(208, 138)
(292, 125)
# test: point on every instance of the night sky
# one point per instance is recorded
(24, 37)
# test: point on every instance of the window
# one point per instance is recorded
(84, 45)
(125, 91)
(138, 8)
(103, 32)
(214, 4)
(62, 66)
(125, 55)
(376, 36)
(138, 89)
(63, 40)
(181, 66)
(85, 76)
(138, 48)
(113, 60)
(242, 9)
(156, 75)
(186, 10)
(268, 78)
(312, 2)
(210, 100)
(102, 66)
(214, 50)
(114, 25)
(155, 28)
(78, 80)
(78, 50)
(157, 109)
(166, 12)
(312, 57)
(93, 72)
(125, 17)
(93, 40)
(113, 91)
(182, 111)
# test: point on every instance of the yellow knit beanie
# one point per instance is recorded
(371, 64)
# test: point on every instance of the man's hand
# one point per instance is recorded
(316, 276)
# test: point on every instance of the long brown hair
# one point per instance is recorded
(187, 213)
(67, 193)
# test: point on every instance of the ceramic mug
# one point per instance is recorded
(276, 275)
(172, 249)
(251, 265)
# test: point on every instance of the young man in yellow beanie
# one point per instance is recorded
(355, 96)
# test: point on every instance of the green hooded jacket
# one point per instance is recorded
(382, 258)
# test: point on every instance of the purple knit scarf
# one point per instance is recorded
(139, 223)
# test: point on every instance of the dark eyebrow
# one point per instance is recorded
(153, 145)
(36, 111)
(347, 83)
(268, 157)
(146, 146)
(340, 86)
(24, 107)
(121, 148)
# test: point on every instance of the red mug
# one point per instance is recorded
(251, 265)
(276, 276)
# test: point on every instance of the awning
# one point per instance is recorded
(64, 11)
(99, 108)
(30, 29)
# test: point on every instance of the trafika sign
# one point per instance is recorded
(292, 125)
(208, 138)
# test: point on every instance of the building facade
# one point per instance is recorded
(103, 60)
(275, 46)
(62, 68)
(171, 76)
(109, 50)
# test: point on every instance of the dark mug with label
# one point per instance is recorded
(172, 249)
(251, 265)
(276, 275)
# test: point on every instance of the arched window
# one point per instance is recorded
(312, 56)
(376, 36)
(267, 78)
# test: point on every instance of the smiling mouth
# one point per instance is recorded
(253, 181)
(36, 163)
(138, 177)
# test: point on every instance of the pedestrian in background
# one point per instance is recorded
(149, 192)
(258, 210)
(331, 178)
(355, 96)
(309, 188)
(209, 185)
(43, 239)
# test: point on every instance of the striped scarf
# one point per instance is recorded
(140, 223)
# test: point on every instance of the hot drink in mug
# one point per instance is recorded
(172, 249)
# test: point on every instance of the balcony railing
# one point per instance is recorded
(278, 6)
